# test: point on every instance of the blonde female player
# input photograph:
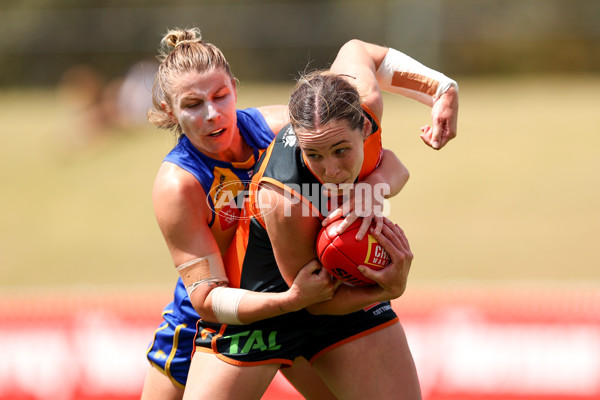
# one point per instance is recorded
(195, 95)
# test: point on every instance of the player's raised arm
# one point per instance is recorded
(378, 68)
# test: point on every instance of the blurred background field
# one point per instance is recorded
(505, 286)
(503, 223)
(514, 197)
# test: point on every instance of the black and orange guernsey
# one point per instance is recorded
(250, 264)
(250, 258)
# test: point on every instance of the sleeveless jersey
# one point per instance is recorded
(173, 343)
(250, 264)
(250, 261)
(223, 180)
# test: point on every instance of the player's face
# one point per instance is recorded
(204, 105)
(334, 152)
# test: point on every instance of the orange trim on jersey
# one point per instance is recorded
(253, 210)
(352, 338)
(315, 211)
(236, 252)
(372, 147)
(258, 174)
(417, 82)
(368, 110)
(233, 259)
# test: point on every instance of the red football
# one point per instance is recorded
(341, 254)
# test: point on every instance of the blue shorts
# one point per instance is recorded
(282, 339)
(173, 344)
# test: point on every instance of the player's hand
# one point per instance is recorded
(359, 204)
(312, 285)
(393, 278)
(444, 116)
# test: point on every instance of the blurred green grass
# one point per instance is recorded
(514, 197)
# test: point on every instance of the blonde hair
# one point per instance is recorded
(181, 51)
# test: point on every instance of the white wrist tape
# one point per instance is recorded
(201, 270)
(225, 304)
(401, 74)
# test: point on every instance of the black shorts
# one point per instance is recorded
(281, 339)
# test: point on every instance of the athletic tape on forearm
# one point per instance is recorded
(201, 270)
(225, 304)
(401, 74)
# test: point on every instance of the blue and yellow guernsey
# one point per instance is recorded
(173, 343)
(223, 180)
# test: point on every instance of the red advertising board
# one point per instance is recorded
(469, 342)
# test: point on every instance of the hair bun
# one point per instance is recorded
(175, 37)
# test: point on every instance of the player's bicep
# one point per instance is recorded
(181, 212)
(292, 230)
(359, 60)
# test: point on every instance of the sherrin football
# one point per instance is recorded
(341, 254)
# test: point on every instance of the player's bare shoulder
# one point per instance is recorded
(175, 188)
(276, 116)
